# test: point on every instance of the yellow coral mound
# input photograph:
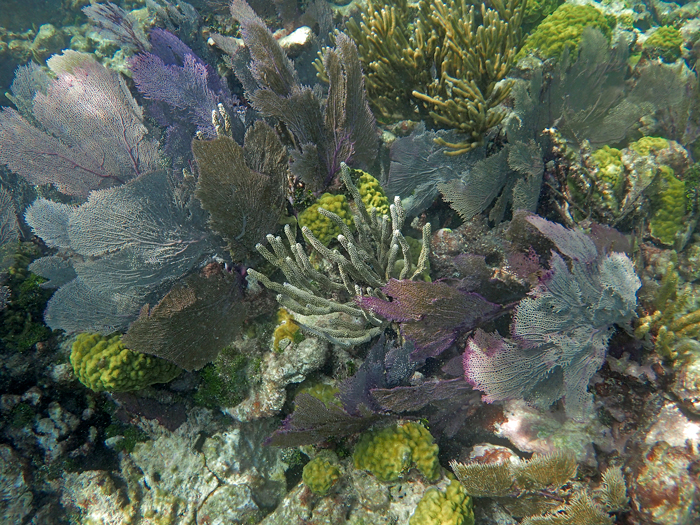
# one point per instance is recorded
(105, 364)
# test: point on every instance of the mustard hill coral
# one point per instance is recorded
(452, 507)
(320, 474)
(390, 452)
(562, 29)
(664, 43)
(372, 193)
(670, 205)
(105, 364)
(323, 228)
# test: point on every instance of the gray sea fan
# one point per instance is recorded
(327, 132)
(419, 165)
(127, 245)
(561, 331)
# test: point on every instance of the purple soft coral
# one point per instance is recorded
(431, 315)
(174, 75)
(561, 331)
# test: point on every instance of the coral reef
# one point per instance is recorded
(389, 453)
(104, 363)
(645, 178)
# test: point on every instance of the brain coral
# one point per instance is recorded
(104, 364)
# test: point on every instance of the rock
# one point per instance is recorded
(665, 485)
(279, 371)
(239, 457)
(49, 40)
(297, 41)
(15, 496)
(531, 430)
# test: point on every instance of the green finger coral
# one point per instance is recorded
(452, 507)
(664, 43)
(390, 452)
(320, 474)
(320, 225)
(105, 364)
(562, 29)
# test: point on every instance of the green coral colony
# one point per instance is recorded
(582, 112)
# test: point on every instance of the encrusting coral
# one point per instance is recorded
(390, 452)
(105, 364)
(372, 253)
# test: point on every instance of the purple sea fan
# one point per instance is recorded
(431, 315)
(174, 75)
(86, 131)
(561, 332)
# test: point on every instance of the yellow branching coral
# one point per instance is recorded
(673, 323)
(476, 54)
(451, 58)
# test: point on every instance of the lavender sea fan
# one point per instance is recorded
(561, 331)
(90, 132)
(174, 75)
